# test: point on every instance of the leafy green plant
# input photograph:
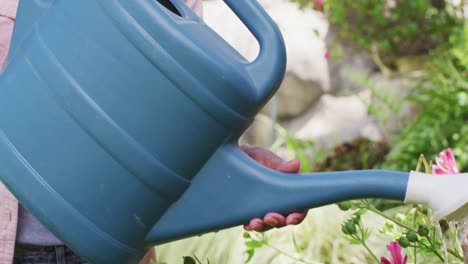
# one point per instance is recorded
(392, 28)
(254, 240)
(411, 226)
(194, 260)
(442, 98)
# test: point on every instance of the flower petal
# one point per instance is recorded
(384, 260)
(395, 250)
(318, 4)
(446, 161)
(436, 170)
(450, 161)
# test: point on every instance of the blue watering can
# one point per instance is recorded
(119, 125)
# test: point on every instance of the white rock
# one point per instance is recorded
(337, 119)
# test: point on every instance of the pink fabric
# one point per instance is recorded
(8, 222)
(8, 8)
(6, 29)
(8, 203)
(196, 6)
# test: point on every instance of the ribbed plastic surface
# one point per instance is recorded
(110, 108)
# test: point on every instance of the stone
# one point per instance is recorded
(295, 96)
(336, 119)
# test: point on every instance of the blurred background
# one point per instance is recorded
(369, 84)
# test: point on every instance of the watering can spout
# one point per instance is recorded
(446, 195)
(232, 188)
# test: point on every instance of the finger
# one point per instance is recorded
(292, 166)
(270, 159)
(262, 156)
(149, 257)
(255, 224)
(295, 218)
(274, 220)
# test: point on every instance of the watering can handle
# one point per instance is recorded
(267, 70)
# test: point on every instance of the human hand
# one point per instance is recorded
(149, 258)
(271, 160)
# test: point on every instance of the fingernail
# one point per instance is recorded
(293, 161)
(293, 221)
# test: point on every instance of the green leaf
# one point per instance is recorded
(316, 32)
(360, 212)
(296, 246)
(345, 205)
(189, 260)
(356, 242)
(254, 244)
(250, 253)
(198, 260)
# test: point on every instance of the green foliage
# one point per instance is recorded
(410, 226)
(301, 150)
(189, 260)
(442, 122)
(254, 240)
(193, 260)
(393, 28)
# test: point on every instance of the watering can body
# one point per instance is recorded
(120, 119)
(110, 108)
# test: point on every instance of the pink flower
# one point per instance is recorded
(446, 163)
(327, 55)
(395, 251)
(318, 4)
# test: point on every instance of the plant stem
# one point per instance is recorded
(434, 250)
(438, 255)
(430, 248)
(286, 254)
(455, 254)
(391, 219)
(370, 251)
(378, 61)
(414, 224)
